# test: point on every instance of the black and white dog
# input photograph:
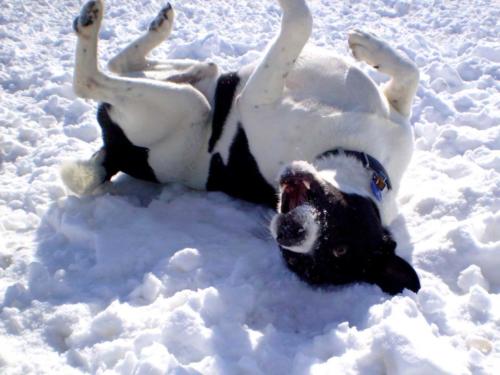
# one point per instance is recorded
(338, 144)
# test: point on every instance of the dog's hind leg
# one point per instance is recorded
(90, 82)
(133, 57)
(401, 89)
(127, 94)
(148, 111)
(266, 83)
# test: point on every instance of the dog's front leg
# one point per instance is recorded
(265, 85)
(401, 89)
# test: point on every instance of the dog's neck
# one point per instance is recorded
(346, 174)
(349, 175)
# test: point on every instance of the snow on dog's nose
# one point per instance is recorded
(296, 230)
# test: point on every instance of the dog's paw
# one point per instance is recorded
(89, 19)
(164, 20)
(370, 49)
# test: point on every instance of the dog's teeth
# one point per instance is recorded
(307, 184)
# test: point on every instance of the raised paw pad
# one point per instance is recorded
(161, 17)
(90, 13)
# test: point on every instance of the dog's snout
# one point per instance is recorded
(290, 231)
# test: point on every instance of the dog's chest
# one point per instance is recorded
(233, 169)
(240, 176)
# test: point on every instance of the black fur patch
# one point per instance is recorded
(241, 177)
(120, 154)
(224, 95)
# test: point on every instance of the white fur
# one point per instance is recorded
(346, 174)
(294, 104)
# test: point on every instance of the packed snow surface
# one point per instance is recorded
(148, 279)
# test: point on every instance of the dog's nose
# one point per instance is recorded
(290, 231)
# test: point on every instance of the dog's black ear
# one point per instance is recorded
(388, 244)
(393, 274)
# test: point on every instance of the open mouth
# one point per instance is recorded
(295, 191)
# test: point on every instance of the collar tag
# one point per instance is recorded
(378, 184)
(376, 190)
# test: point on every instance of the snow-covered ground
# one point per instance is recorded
(154, 279)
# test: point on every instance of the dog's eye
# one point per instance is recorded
(340, 251)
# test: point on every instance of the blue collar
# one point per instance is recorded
(380, 179)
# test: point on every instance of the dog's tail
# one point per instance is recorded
(83, 177)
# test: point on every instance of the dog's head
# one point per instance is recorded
(331, 237)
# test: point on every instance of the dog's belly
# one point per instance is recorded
(277, 139)
(328, 83)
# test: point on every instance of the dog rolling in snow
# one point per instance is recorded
(301, 130)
